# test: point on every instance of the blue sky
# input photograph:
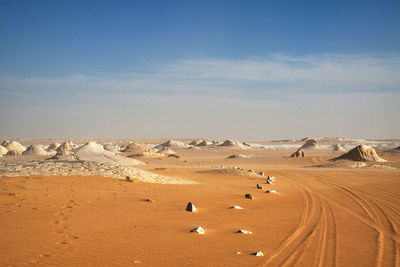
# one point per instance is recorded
(335, 64)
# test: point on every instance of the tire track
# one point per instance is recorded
(388, 236)
(315, 227)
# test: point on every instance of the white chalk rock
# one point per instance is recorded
(198, 230)
(244, 232)
(258, 254)
(190, 207)
(272, 192)
(236, 207)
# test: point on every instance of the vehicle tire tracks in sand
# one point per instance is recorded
(382, 220)
(317, 227)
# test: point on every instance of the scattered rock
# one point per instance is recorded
(236, 207)
(129, 179)
(259, 186)
(150, 200)
(190, 207)
(244, 232)
(270, 179)
(258, 254)
(261, 173)
(13, 153)
(248, 196)
(237, 156)
(198, 230)
(272, 192)
(298, 154)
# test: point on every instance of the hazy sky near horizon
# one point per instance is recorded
(250, 70)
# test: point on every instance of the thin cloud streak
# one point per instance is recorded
(277, 75)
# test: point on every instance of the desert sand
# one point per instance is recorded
(324, 213)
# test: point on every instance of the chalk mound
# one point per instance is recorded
(64, 149)
(234, 144)
(65, 146)
(111, 148)
(14, 145)
(3, 150)
(137, 148)
(298, 154)
(13, 153)
(338, 147)
(361, 153)
(310, 143)
(53, 147)
(196, 142)
(92, 151)
(173, 144)
(90, 148)
(34, 150)
(206, 143)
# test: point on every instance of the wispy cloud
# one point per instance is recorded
(277, 75)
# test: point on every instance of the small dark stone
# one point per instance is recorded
(248, 196)
(190, 207)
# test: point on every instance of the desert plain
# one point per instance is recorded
(123, 207)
